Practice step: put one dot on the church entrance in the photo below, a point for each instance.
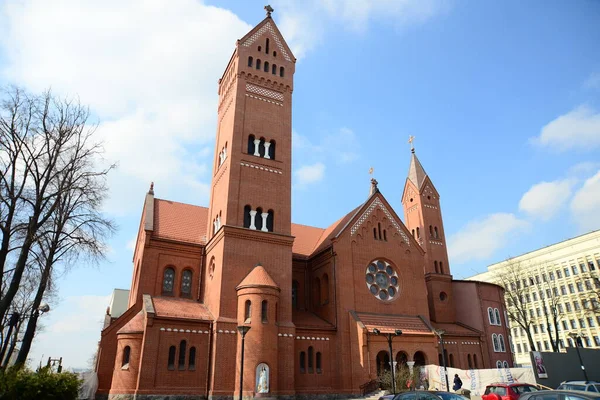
(383, 362)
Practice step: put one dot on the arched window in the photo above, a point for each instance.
(310, 360)
(495, 342)
(171, 362)
(281, 71)
(258, 63)
(168, 281)
(250, 61)
(491, 316)
(437, 236)
(126, 354)
(247, 311)
(182, 350)
(264, 311)
(274, 69)
(419, 359)
(251, 144)
(319, 367)
(418, 233)
(499, 364)
(384, 235)
(258, 220)
(469, 362)
(501, 343)
(247, 216)
(379, 229)
(451, 360)
(430, 230)
(475, 361)
(505, 364)
(375, 233)
(270, 221)
(325, 289)
(497, 314)
(302, 362)
(186, 283)
(317, 292)
(440, 360)
(266, 66)
(192, 360)
(435, 265)
(267, 47)
(441, 268)
(295, 285)
(272, 150)
(413, 233)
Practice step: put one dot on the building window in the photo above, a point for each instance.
(497, 313)
(192, 360)
(302, 362)
(310, 360)
(250, 61)
(258, 222)
(518, 347)
(267, 46)
(574, 268)
(441, 268)
(431, 231)
(168, 281)
(501, 343)
(270, 222)
(475, 361)
(571, 288)
(272, 150)
(499, 364)
(182, 350)
(435, 266)
(266, 69)
(247, 311)
(567, 273)
(505, 364)
(281, 71)
(558, 274)
(319, 367)
(573, 324)
(580, 287)
(258, 63)
(171, 362)
(274, 69)
(435, 229)
(597, 340)
(495, 342)
(186, 283)
(263, 311)
(125, 359)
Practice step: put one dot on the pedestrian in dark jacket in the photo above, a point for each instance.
(457, 383)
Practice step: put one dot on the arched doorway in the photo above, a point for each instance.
(401, 359)
(383, 362)
(419, 359)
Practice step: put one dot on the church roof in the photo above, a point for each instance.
(179, 221)
(456, 329)
(388, 323)
(180, 308)
(135, 324)
(258, 277)
(416, 172)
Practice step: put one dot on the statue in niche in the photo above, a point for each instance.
(262, 378)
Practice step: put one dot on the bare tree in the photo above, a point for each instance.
(550, 299)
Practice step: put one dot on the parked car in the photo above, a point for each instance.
(584, 386)
(423, 395)
(560, 395)
(507, 391)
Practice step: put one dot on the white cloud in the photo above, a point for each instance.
(543, 200)
(310, 174)
(147, 69)
(593, 82)
(342, 145)
(131, 244)
(585, 205)
(578, 129)
(480, 239)
(304, 23)
(72, 330)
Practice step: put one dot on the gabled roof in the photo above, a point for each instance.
(258, 277)
(387, 323)
(416, 172)
(456, 329)
(135, 324)
(264, 26)
(172, 307)
(179, 221)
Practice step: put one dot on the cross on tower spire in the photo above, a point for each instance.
(269, 10)
(411, 138)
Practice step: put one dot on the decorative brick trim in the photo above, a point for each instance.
(267, 28)
(264, 92)
(260, 167)
(289, 335)
(163, 329)
(265, 100)
(436, 242)
(367, 213)
(310, 338)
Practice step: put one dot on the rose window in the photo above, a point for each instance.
(382, 280)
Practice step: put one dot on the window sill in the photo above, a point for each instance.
(125, 367)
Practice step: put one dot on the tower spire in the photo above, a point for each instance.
(416, 172)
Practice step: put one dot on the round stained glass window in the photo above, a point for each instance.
(382, 280)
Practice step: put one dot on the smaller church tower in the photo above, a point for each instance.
(423, 217)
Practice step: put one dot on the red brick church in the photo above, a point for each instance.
(312, 297)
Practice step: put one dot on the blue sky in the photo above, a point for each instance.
(502, 97)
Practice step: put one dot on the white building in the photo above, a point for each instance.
(568, 272)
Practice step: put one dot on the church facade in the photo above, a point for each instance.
(313, 298)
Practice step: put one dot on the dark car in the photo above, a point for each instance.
(560, 395)
(585, 386)
(507, 391)
(423, 395)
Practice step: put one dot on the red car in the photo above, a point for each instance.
(507, 391)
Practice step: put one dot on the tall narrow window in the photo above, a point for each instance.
(418, 233)
(266, 66)
(258, 63)
(379, 229)
(501, 343)
(310, 360)
(495, 342)
(274, 69)
(475, 361)
(437, 236)
(247, 311)
(250, 61)
(413, 233)
(295, 285)
(302, 362)
(430, 230)
(441, 268)
(469, 362)
(171, 362)
(247, 217)
(491, 317)
(261, 147)
(267, 46)
(435, 265)
(186, 283)
(126, 354)
(272, 150)
(497, 314)
(192, 360)
(375, 233)
(384, 235)
(281, 71)
(264, 311)
(258, 220)
(182, 350)
(168, 281)
(251, 144)
(270, 221)
(319, 366)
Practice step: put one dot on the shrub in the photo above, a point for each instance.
(24, 384)
(403, 378)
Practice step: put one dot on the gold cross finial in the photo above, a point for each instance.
(269, 10)
(371, 170)
(411, 139)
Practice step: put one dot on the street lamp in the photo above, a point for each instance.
(578, 343)
(243, 329)
(440, 333)
(389, 337)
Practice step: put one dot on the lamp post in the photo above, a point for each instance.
(440, 333)
(243, 329)
(389, 337)
(578, 343)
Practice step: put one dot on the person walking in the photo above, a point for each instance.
(457, 383)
